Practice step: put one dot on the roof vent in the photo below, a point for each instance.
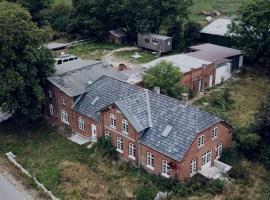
(89, 82)
(166, 131)
(95, 100)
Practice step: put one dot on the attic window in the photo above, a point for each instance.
(95, 100)
(166, 131)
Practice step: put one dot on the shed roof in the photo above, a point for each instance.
(56, 45)
(157, 36)
(213, 53)
(218, 27)
(184, 62)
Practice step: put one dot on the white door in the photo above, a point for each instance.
(94, 133)
(200, 85)
(219, 150)
(241, 61)
(211, 81)
(206, 160)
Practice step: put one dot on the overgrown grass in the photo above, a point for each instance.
(230, 7)
(68, 2)
(145, 56)
(93, 50)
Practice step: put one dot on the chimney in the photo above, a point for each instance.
(157, 90)
(185, 97)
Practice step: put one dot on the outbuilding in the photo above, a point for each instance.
(155, 42)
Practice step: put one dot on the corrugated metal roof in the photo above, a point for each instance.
(218, 27)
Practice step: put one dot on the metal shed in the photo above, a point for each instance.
(155, 42)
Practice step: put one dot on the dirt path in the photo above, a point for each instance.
(11, 185)
(110, 58)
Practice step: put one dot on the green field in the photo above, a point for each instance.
(146, 56)
(230, 7)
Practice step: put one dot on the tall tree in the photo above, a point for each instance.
(167, 77)
(39, 9)
(24, 63)
(251, 31)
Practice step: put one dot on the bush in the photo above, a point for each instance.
(145, 193)
(238, 172)
(264, 155)
(106, 148)
(230, 156)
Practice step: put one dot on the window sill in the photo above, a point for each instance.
(65, 122)
(124, 132)
(150, 167)
(119, 150)
(113, 127)
(132, 157)
(165, 175)
(214, 138)
(199, 147)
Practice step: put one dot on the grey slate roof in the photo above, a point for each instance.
(108, 90)
(82, 73)
(150, 113)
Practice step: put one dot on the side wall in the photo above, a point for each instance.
(224, 136)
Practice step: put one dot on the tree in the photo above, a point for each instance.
(166, 76)
(60, 19)
(24, 63)
(39, 9)
(251, 32)
(263, 120)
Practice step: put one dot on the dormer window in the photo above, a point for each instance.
(201, 141)
(112, 121)
(125, 126)
(214, 133)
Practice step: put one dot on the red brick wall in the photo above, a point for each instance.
(88, 125)
(224, 136)
(158, 161)
(57, 102)
(132, 136)
(200, 73)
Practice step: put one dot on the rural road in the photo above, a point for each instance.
(10, 192)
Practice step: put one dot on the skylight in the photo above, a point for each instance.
(166, 131)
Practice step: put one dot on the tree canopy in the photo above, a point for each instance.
(167, 77)
(24, 63)
(251, 31)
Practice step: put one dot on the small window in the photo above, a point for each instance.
(169, 43)
(132, 151)
(81, 124)
(120, 145)
(59, 62)
(113, 121)
(165, 168)
(146, 40)
(155, 43)
(70, 59)
(66, 60)
(125, 126)
(214, 133)
(108, 136)
(51, 109)
(64, 101)
(201, 141)
(150, 161)
(64, 117)
(193, 168)
(50, 94)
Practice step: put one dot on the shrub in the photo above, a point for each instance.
(106, 148)
(230, 156)
(145, 193)
(238, 172)
(215, 187)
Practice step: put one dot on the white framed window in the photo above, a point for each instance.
(193, 168)
(132, 151)
(50, 94)
(112, 121)
(201, 141)
(219, 150)
(214, 133)
(165, 169)
(81, 123)
(108, 136)
(63, 101)
(150, 161)
(120, 145)
(64, 117)
(206, 158)
(125, 126)
(51, 109)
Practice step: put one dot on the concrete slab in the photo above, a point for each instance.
(79, 139)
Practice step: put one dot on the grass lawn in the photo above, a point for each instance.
(93, 50)
(126, 55)
(68, 2)
(230, 7)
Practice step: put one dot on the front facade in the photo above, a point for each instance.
(160, 134)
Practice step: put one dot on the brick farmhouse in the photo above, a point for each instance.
(161, 134)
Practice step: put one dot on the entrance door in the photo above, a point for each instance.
(211, 81)
(94, 133)
(219, 150)
(206, 160)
